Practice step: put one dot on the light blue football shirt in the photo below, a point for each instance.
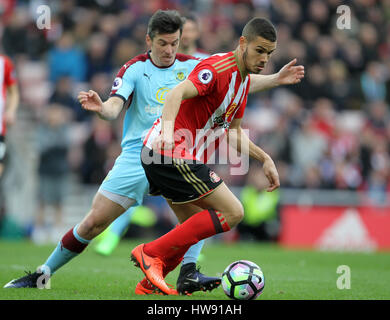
(143, 86)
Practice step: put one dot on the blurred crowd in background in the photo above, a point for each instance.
(331, 131)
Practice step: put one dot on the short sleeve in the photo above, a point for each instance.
(204, 78)
(124, 82)
(9, 73)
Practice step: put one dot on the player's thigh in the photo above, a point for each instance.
(184, 210)
(222, 199)
(126, 178)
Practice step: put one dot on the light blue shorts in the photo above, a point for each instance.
(127, 177)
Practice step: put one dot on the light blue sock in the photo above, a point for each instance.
(121, 223)
(193, 253)
(61, 255)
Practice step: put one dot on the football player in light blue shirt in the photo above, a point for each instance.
(140, 86)
(188, 45)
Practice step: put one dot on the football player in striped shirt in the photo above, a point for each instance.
(197, 114)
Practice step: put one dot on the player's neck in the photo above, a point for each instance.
(240, 64)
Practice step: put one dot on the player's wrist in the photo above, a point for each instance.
(278, 79)
(266, 159)
(167, 128)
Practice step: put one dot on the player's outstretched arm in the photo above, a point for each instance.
(173, 99)
(238, 139)
(109, 110)
(289, 74)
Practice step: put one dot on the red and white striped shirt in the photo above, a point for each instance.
(7, 78)
(203, 121)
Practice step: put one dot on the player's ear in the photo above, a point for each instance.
(243, 42)
(148, 40)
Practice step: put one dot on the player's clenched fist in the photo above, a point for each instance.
(90, 101)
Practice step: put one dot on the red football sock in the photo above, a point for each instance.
(176, 242)
(70, 242)
(171, 265)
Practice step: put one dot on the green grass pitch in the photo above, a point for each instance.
(289, 274)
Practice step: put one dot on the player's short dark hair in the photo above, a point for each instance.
(165, 21)
(259, 27)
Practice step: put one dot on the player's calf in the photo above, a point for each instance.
(228, 208)
(102, 214)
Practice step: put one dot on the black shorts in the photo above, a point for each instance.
(2, 149)
(178, 180)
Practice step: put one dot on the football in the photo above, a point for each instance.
(243, 280)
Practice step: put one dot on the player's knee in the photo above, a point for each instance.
(239, 214)
(86, 227)
(91, 227)
(236, 215)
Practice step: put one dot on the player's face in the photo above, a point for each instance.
(164, 48)
(190, 34)
(257, 53)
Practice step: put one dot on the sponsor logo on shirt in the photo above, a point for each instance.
(161, 93)
(222, 120)
(153, 110)
(230, 110)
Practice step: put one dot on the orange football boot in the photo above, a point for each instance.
(152, 267)
(145, 287)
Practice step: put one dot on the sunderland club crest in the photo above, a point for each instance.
(214, 177)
